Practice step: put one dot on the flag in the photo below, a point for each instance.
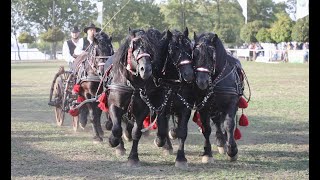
(243, 4)
(302, 8)
(100, 12)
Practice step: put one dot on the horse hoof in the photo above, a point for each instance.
(158, 143)
(113, 142)
(97, 140)
(234, 158)
(120, 152)
(125, 137)
(82, 126)
(181, 164)
(221, 150)
(146, 134)
(167, 152)
(206, 159)
(133, 163)
(172, 134)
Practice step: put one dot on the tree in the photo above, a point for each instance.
(281, 29)
(264, 36)
(226, 33)
(300, 30)
(25, 37)
(249, 31)
(53, 35)
(136, 14)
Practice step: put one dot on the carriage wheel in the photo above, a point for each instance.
(75, 123)
(58, 96)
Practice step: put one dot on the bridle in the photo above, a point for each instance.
(134, 55)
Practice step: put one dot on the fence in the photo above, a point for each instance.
(32, 54)
(271, 55)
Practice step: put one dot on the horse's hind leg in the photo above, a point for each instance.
(83, 116)
(167, 148)
(93, 117)
(219, 136)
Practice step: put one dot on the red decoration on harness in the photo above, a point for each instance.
(80, 99)
(74, 112)
(243, 103)
(243, 120)
(76, 88)
(103, 102)
(237, 134)
(197, 120)
(146, 123)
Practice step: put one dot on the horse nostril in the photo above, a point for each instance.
(142, 69)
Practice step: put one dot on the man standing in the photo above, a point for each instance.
(85, 42)
(70, 45)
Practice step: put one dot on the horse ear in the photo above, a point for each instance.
(110, 38)
(186, 32)
(129, 29)
(169, 34)
(194, 36)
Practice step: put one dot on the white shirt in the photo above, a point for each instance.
(66, 52)
(78, 50)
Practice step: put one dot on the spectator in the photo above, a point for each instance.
(306, 51)
(70, 45)
(252, 52)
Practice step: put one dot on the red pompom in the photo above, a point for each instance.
(243, 103)
(76, 88)
(146, 123)
(80, 99)
(243, 120)
(237, 134)
(74, 112)
(197, 120)
(103, 102)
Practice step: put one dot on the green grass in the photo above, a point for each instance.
(275, 145)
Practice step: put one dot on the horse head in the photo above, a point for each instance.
(140, 54)
(104, 49)
(204, 56)
(180, 51)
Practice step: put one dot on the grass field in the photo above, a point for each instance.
(275, 145)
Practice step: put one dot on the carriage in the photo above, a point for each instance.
(61, 96)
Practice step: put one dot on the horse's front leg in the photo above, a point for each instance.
(139, 114)
(115, 113)
(205, 120)
(219, 135)
(182, 132)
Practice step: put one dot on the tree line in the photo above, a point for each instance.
(53, 19)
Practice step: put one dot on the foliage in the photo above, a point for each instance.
(300, 30)
(264, 36)
(136, 14)
(249, 31)
(226, 33)
(25, 37)
(52, 35)
(281, 29)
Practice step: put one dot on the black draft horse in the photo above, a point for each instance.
(219, 87)
(131, 74)
(89, 68)
(177, 75)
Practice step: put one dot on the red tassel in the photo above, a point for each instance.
(74, 112)
(197, 120)
(237, 134)
(146, 123)
(80, 99)
(242, 103)
(76, 88)
(243, 120)
(103, 102)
